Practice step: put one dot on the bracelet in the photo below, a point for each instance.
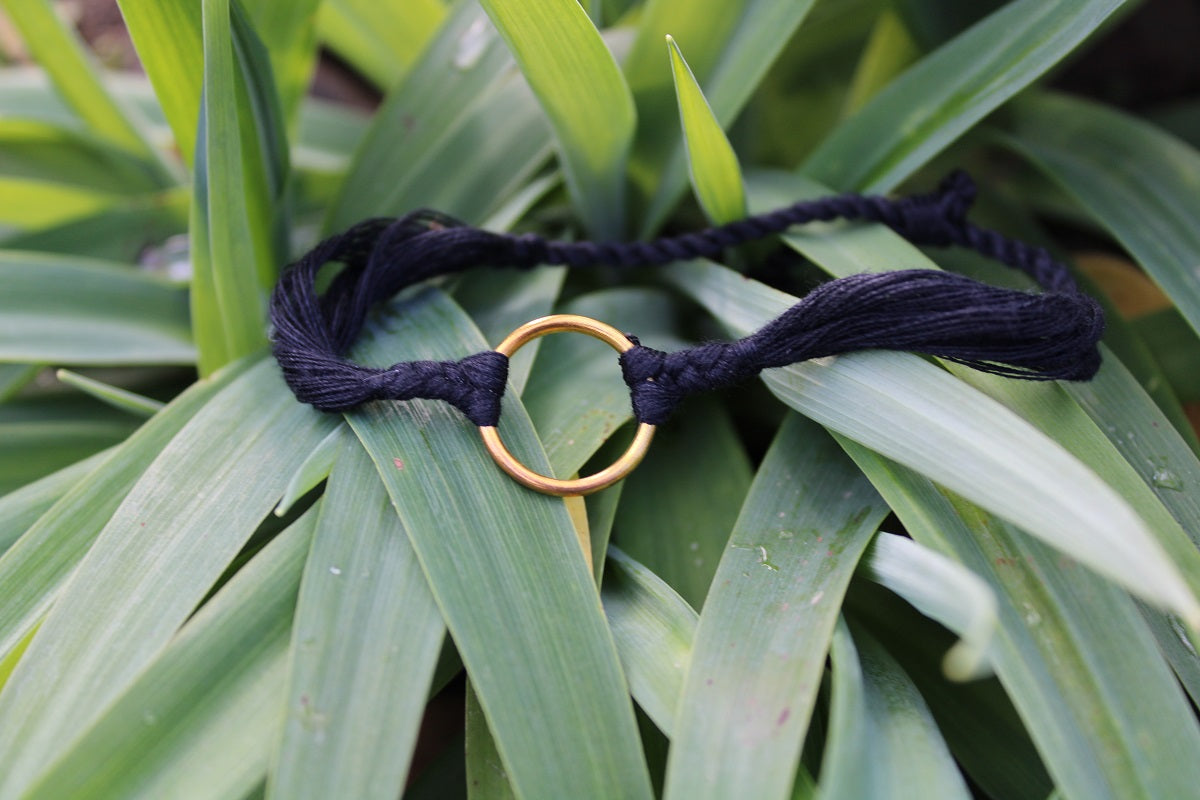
(1051, 335)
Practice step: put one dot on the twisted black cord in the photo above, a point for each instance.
(1036, 336)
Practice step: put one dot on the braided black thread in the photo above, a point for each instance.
(1017, 334)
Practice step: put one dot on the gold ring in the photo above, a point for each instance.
(559, 323)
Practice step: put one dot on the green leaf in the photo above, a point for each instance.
(37, 566)
(380, 39)
(155, 560)
(365, 641)
(1162, 332)
(888, 51)
(44, 151)
(765, 630)
(1072, 650)
(731, 44)
(712, 164)
(511, 581)
(10, 660)
(169, 42)
(36, 446)
(951, 89)
(911, 411)
(59, 51)
(942, 590)
(1045, 405)
(459, 134)
(663, 522)
(125, 230)
(985, 734)
(1128, 465)
(289, 34)
(328, 129)
(21, 508)
(654, 628)
(84, 311)
(486, 778)
(882, 739)
(600, 509)
(1094, 421)
(121, 399)
(1134, 179)
(15, 377)
(314, 469)
(231, 232)
(583, 94)
(28, 203)
(198, 722)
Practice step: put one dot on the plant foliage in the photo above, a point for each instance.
(874, 575)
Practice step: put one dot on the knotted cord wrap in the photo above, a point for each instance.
(1052, 335)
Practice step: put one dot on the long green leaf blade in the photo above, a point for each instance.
(1072, 650)
(1136, 180)
(731, 44)
(152, 564)
(20, 509)
(447, 137)
(199, 720)
(951, 89)
(663, 523)
(55, 153)
(289, 34)
(365, 641)
(381, 39)
(584, 95)
(765, 630)
(27, 204)
(505, 568)
(35, 568)
(486, 778)
(882, 738)
(169, 42)
(121, 399)
(654, 629)
(712, 164)
(35, 442)
(913, 412)
(227, 309)
(58, 51)
(942, 590)
(80, 311)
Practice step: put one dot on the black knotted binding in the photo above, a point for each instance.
(1051, 335)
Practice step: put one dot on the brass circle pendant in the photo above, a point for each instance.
(566, 323)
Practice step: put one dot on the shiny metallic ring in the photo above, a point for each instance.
(560, 323)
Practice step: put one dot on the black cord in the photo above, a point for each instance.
(1052, 335)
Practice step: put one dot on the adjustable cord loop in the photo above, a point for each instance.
(1048, 336)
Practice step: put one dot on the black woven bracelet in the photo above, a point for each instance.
(1052, 335)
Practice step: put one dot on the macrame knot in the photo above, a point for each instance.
(659, 381)
(937, 218)
(474, 385)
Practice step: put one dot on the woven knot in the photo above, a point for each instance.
(659, 381)
(474, 385)
(938, 218)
